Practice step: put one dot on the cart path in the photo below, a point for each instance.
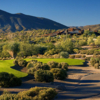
(83, 83)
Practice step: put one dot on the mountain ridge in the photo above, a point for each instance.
(19, 21)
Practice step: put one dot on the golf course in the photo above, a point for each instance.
(6, 65)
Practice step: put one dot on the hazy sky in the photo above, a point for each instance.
(67, 12)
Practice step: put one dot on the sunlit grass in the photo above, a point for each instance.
(5, 66)
(69, 61)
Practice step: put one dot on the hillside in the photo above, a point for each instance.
(19, 21)
(91, 27)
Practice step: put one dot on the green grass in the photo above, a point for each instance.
(69, 61)
(5, 66)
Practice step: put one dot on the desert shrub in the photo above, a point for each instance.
(34, 56)
(40, 56)
(47, 94)
(9, 80)
(21, 54)
(5, 54)
(83, 51)
(83, 56)
(67, 45)
(93, 61)
(16, 61)
(92, 44)
(14, 97)
(31, 71)
(45, 67)
(82, 42)
(87, 58)
(56, 56)
(22, 63)
(52, 52)
(31, 64)
(63, 65)
(52, 64)
(40, 66)
(76, 51)
(90, 40)
(8, 97)
(6, 92)
(37, 66)
(64, 54)
(77, 56)
(97, 41)
(43, 76)
(96, 65)
(96, 52)
(90, 52)
(71, 56)
(36, 93)
(39, 93)
(59, 73)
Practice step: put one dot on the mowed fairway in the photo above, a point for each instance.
(69, 61)
(5, 66)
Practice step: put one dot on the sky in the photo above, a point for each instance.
(66, 12)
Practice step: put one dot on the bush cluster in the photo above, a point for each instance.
(95, 61)
(59, 73)
(62, 65)
(72, 56)
(9, 80)
(64, 54)
(36, 93)
(77, 56)
(83, 51)
(42, 71)
(43, 76)
(90, 52)
(31, 64)
(76, 51)
(20, 62)
(5, 54)
(87, 58)
(37, 67)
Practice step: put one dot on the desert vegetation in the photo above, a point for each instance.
(45, 59)
(36, 93)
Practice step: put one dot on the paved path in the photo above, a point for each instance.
(83, 83)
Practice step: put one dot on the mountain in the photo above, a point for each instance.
(91, 27)
(19, 21)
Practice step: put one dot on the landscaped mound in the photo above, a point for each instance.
(9, 80)
(36, 93)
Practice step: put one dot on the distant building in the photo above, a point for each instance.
(70, 31)
(73, 31)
